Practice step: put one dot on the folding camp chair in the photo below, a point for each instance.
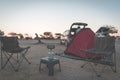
(105, 48)
(10, 46)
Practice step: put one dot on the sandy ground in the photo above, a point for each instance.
(71, 69)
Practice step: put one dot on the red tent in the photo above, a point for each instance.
(83, 40)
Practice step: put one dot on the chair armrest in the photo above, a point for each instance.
(94, 51)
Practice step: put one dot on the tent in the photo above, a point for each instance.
(83, 40)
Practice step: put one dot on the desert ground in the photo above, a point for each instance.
(70, 68)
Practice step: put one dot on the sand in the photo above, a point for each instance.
(71, 69)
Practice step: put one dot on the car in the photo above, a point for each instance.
(64, 37)
(68, 35)
(105, 31)
(76, 27)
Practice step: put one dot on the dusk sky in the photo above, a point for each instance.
(38, 16)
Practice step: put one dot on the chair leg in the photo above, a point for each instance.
(40, 66)
(10, 56)
(8, 60)
(1, 59)
(113, 68)
(84, 64)
(23, 55)
(26, 59)
(98, 75)
(59, 67)
(21, 60)
(14, 58)
(19, 64)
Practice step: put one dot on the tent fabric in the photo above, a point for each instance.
(83, 40)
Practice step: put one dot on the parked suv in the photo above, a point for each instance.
(68, 35)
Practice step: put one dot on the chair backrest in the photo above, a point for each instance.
(9, 43)
(106, 44)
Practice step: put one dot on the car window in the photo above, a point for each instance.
(65, 33)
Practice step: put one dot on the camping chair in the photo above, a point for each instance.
(10, 46)
(105, 48)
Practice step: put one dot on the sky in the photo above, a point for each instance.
(38, 16)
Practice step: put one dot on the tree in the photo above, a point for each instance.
(48, 35)
(27, 36)
(57, 35)
(13, 34)
(20, 36)
(106, 30)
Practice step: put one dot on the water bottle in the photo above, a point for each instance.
(50, 55)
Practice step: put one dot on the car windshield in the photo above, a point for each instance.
(65, 33)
